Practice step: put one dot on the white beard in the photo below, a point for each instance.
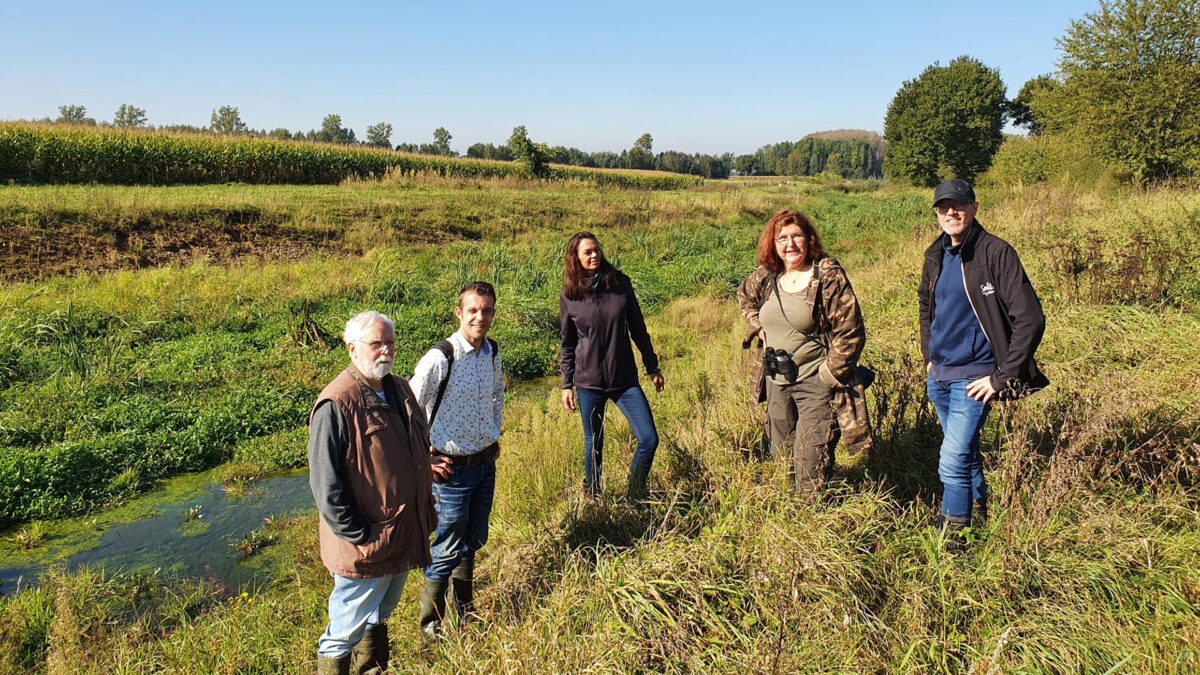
(374, 370)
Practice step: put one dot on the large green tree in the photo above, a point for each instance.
(380, 135)
(1130, 73)
(129, 115)
(641, 155)
(1021, 109)
(332, 131)
(945, 124)
(74, 114)
(535, 156)
(227, 120)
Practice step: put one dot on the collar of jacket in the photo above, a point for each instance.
(967, 250)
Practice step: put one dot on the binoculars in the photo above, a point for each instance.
(779, 362)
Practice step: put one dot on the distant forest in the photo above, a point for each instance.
(849, 153)
(846, 153)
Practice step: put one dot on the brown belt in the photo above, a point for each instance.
(474, 459)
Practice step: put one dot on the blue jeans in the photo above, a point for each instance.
(464, 503)
(960, 466)
(633, 404)
(354, 606)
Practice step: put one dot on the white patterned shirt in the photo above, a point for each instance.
(469, 418)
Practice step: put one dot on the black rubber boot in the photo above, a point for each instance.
(637, 482)
(953, 526)
(328, 666)
(371, 654)
(433, 607)
(462, 580)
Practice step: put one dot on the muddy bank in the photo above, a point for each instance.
(33, 252)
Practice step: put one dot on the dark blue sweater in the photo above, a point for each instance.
(958, 349)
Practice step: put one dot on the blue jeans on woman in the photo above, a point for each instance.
(960, 466)
(633, 404)
(464, 504)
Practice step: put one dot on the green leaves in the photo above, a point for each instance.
(945, 124)
(1130, 73)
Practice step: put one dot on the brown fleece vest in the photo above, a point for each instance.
(386, 470)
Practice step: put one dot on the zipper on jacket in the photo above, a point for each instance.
(974, 311)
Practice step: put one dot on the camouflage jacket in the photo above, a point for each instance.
(840, 325)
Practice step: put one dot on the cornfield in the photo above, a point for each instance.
(40, 154)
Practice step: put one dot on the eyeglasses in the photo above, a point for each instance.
(794, 238)
(376, 344)
(947, 207)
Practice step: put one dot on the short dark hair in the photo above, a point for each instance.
(481, 288)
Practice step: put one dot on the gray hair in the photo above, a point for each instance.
(359, 323)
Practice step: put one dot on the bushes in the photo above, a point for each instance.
(48, 154)
(1056, 160)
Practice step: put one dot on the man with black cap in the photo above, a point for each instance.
(981, 322)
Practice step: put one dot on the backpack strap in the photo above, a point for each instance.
(447, 350)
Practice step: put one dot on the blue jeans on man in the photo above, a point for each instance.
(960, 465)
(464, 503)
(633, 404)
(356, 605)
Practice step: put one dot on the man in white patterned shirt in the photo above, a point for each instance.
(460, 387)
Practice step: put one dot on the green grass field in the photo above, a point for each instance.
(137, 368)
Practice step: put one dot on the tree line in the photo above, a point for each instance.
(1125, 92)
(849, 158)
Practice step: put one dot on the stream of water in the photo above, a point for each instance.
(195, 536)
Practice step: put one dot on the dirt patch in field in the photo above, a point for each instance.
(33, 253)
(38, 251)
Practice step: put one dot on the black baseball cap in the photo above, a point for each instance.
(957, 189)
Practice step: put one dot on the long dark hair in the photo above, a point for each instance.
(574, 279)
(767, 257)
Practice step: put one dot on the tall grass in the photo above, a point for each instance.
(1087, 564)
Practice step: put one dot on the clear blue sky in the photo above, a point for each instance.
(698, 76)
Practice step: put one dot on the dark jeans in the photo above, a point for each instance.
(633, 404)
(464, 503)
(802, 410)
(960, 466)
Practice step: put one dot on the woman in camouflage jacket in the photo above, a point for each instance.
(825, 340)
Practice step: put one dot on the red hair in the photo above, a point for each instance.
(767, 257)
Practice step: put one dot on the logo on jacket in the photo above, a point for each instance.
(987, 289)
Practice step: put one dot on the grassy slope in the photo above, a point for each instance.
(1088, 564)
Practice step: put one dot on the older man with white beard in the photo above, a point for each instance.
(371, 477)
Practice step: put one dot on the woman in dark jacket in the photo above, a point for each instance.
(800, 303)
(600, 315)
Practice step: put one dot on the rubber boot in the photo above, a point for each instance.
(371, 654)
(328, 666)
(433, 607)
(637, 482)
(462, 580)
(953, 526)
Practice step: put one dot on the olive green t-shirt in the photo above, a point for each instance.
(785, 330)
